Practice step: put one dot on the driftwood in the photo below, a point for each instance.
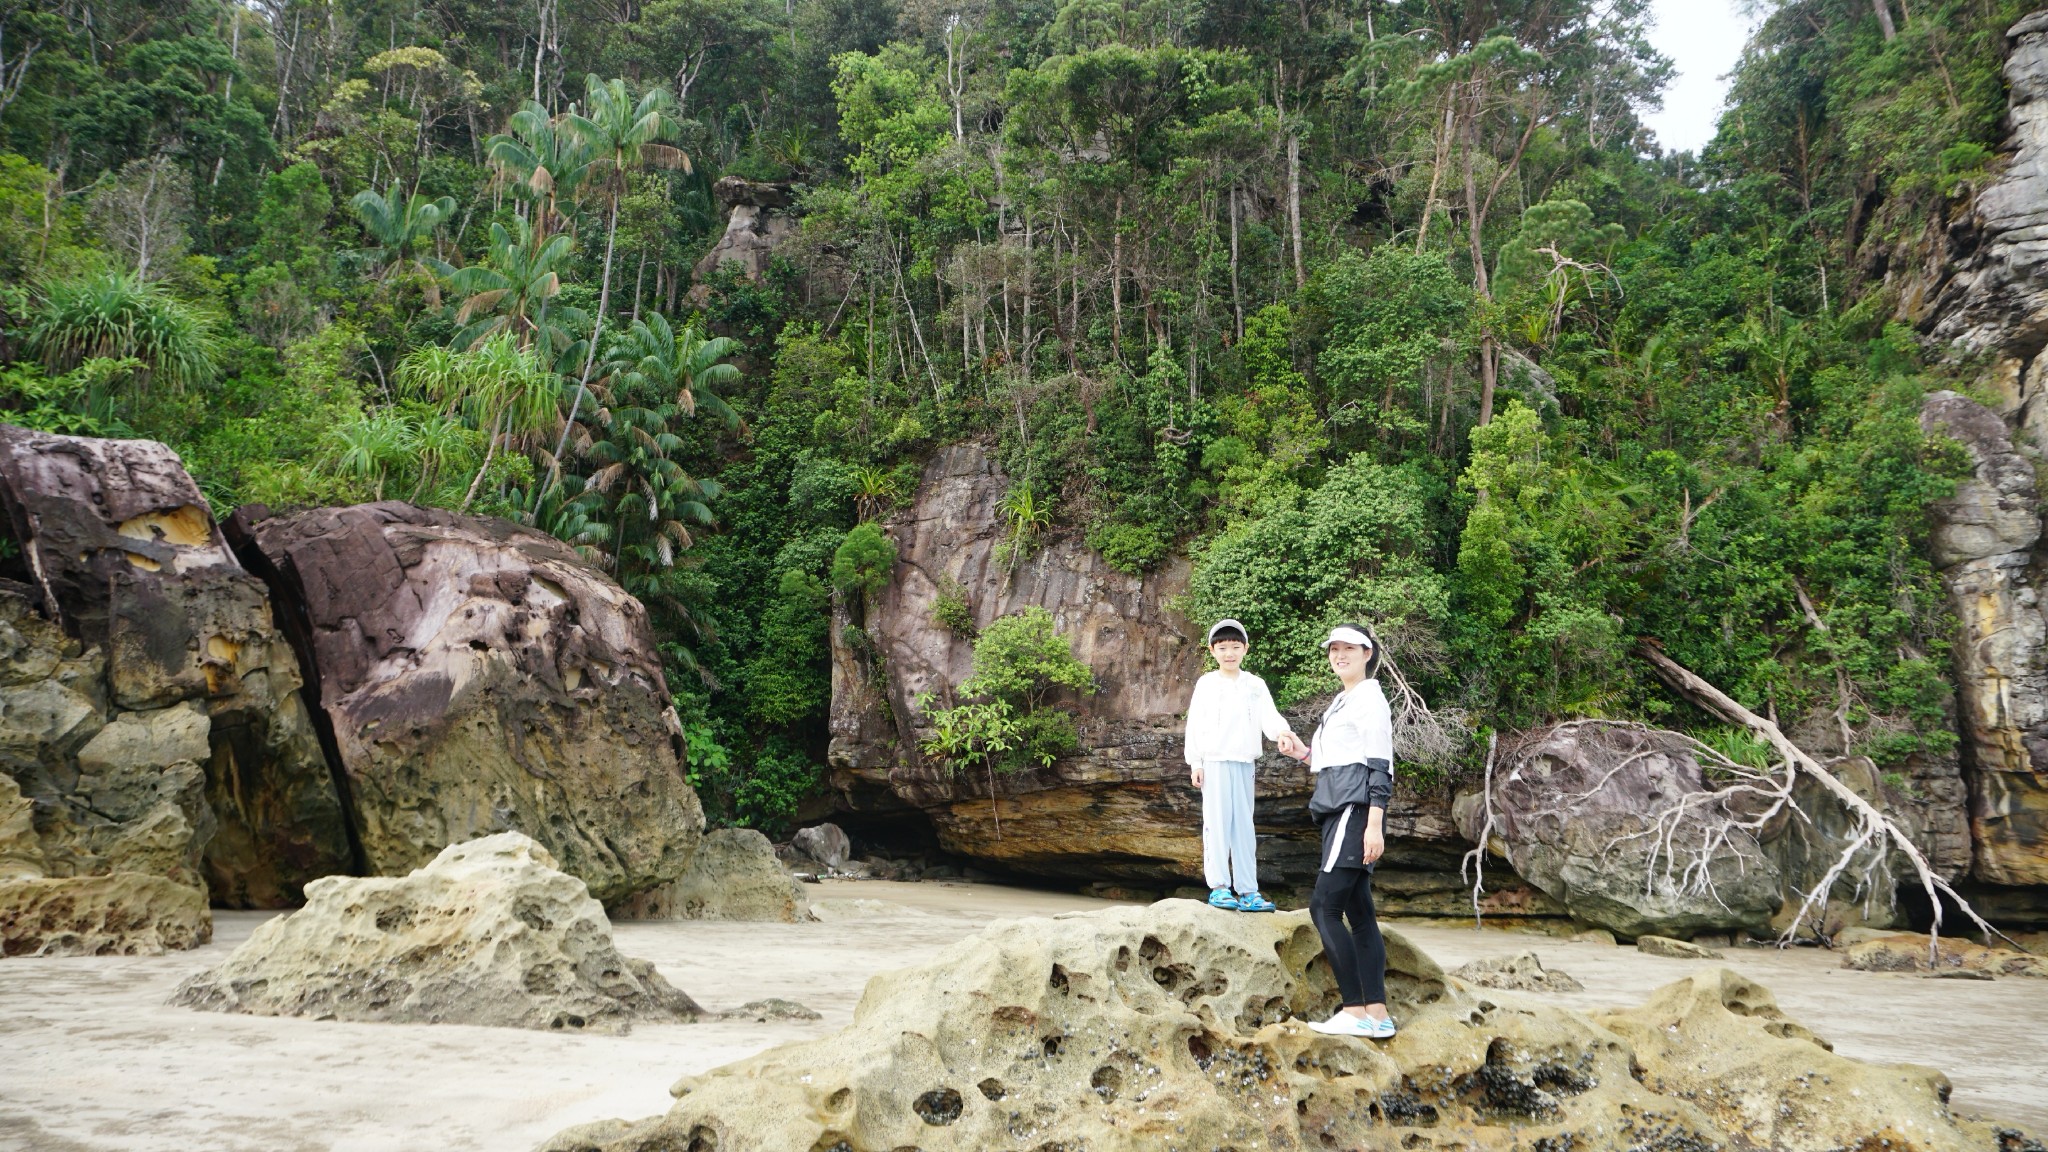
(1873, 827)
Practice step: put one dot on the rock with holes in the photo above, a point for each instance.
(118, 914)
(1616, 822)
(149, 706)
(1522, 972)
(734, 875)
(1180, 1026)
(1907, 952)
(490, 932)
(480, 677)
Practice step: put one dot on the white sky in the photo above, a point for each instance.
(1704, 39)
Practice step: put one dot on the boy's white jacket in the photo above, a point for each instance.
(1357, 726)
(1227, 717)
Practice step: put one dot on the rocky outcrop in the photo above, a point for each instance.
(479, 677)
(757, 221)
(1121, 808)
(119, 914)
(1609, 819)
(1522, 972)
(1178, 1026)
(490, 932)
(1986, 545)
(734, 875)
(1985, 289)
(149, 708)
(1910, 953)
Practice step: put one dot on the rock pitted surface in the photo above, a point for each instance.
(480, 677)
(149, 708)
(1576, 809)
(1522, 972)
(1906, 952)
(734, 875)
(1174, 1026)
(490, 932)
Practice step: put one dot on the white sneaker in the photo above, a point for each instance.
(1363, 1027)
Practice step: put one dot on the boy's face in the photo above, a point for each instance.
(1229, 654)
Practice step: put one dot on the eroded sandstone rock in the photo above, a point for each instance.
(121, 914)
(734, 875)
(148, 705)
(1906, 952)
(1984, 544)
(490, 932)
(1178, 1026)
(481, 677)
(1121, 808)
(1576, 811)
(1522, 972)
(757, 222)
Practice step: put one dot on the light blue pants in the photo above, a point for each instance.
(1230, 845)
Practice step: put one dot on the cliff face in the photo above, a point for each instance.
(1122, 807)
(1984, 295)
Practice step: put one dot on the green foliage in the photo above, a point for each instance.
(1007, 723)
(952, 611)
(1357, 548)
(116, 316)
(864, 561)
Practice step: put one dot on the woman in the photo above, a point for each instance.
(1352, 758)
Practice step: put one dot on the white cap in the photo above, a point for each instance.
(1226, 622)
(1343, 635)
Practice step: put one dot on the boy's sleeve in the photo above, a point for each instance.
(1191, 738)
(1270, 720)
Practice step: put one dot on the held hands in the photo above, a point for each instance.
(1291, 745)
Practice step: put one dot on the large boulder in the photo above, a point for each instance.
(490, 932)
(1608, 818)
(149, 707)
(734, 875)
(479, 677)
(1179, 1026)
(757, 222)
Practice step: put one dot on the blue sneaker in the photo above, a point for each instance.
(1252, 902)
(1223, 898)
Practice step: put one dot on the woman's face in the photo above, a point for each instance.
(1347, 660)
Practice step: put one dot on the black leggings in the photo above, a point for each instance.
(1358, 957)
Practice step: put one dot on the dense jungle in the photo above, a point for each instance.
(1368, 309)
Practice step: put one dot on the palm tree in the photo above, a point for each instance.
(397, 225)
(647, 493)
(117, 315)
(546, 165)
(509, 292)
(653, 362)
(621, 134)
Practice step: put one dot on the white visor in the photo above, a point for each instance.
(1347, 636)
(1226, 622)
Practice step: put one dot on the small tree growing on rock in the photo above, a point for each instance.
(1006, 722)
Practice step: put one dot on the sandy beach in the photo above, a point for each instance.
(96, 1062)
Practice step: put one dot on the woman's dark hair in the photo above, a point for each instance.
(1372, 662)
(1223, 634)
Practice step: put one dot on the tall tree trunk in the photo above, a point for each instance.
(1236, 294)
(1436, 172)
(604, 297)
(1475, 223)
(1884, 19)
(1116, 282)
(490, 450)
(1294, 206)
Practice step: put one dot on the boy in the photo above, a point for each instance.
(1230, 711)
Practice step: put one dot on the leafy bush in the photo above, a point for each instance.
(952, 611)
(1006, 724)
(863, 562)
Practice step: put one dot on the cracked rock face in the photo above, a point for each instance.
(1986, 545)
(490, 932)
(479, 677)
(149, 709)
(1172, 1026)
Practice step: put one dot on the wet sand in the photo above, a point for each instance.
(91, 1059)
